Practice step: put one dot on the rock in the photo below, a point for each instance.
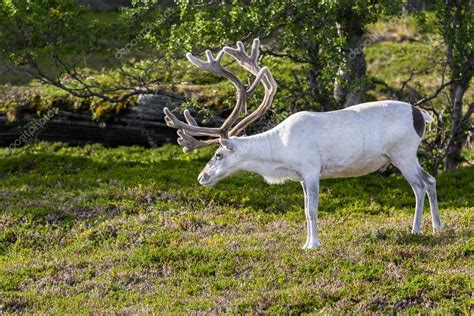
(138, 125)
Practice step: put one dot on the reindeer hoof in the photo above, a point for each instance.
(313, 244)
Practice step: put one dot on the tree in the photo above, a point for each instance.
(326, 36)
(301, 31)
(352, 18)
(48, 41)
(455, 23)
(320, 35)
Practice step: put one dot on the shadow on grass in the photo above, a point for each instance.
(444, 237)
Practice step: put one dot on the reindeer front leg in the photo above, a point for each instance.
(311, 195)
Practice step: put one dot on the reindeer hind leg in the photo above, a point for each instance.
(409, 169)
(430, 183)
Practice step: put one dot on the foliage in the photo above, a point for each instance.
(51, 40)
(129, 230)
(306, 31)
(32, 30)
(456, 25)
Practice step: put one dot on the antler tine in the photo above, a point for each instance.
(191, 121)
(172, 121)
(255, 52)
(214, 65)
(189, 118)
(249, 62)
(189, 143)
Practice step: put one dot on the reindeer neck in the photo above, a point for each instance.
(259, 151)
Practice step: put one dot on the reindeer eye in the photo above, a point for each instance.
(219, 156)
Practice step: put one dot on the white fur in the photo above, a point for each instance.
(307, 147)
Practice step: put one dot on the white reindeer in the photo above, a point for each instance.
(307, 147)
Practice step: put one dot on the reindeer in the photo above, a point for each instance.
(307, 146)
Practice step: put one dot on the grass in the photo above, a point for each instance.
(129, 230)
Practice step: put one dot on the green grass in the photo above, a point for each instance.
(95, 230)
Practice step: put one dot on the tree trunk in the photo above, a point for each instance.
(317, 88)
(316, 80)
(349, 87)
(458, 134)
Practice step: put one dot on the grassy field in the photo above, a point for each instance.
(129, 230)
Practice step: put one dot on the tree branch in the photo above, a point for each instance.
(86, 90)
(435, 94)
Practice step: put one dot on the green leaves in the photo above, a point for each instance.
(32, 29)
(10, 7)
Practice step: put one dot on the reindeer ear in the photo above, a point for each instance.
(226, 144)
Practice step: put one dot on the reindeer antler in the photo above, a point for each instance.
(189, 129)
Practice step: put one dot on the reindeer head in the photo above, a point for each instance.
(225, 162)
(226, 159)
